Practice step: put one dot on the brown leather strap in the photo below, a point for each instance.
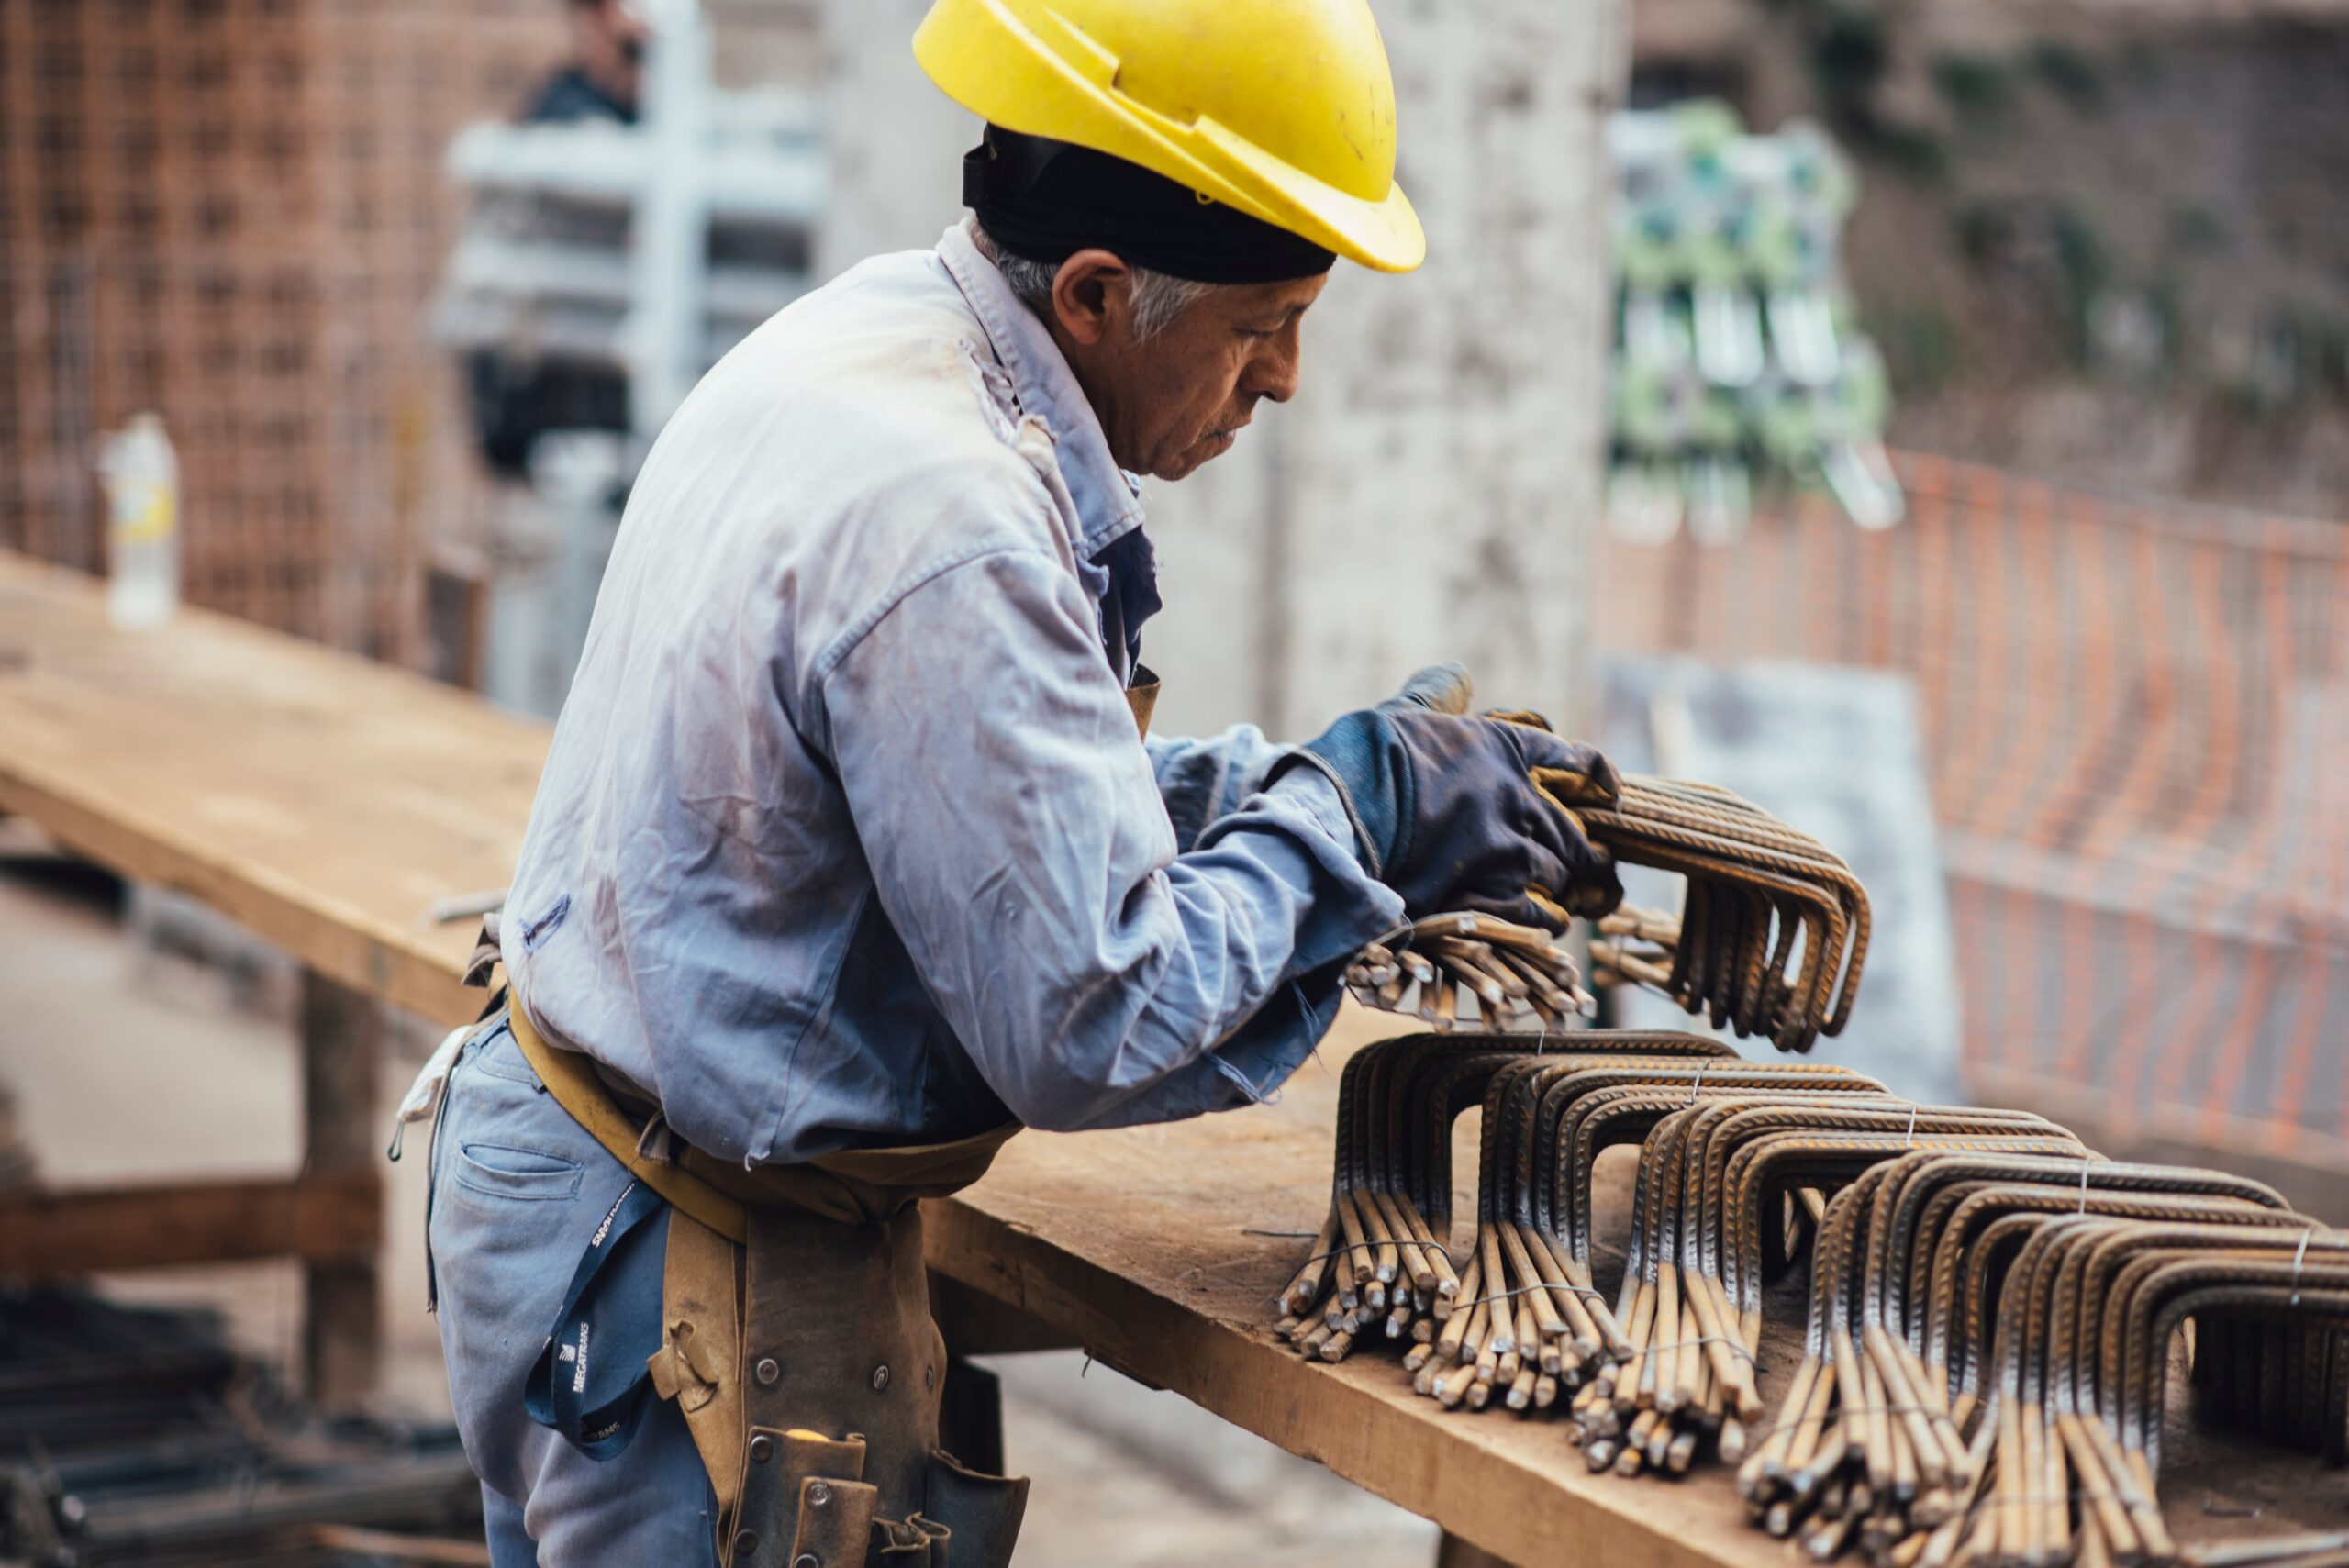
(571, 1079)
(1141, 696)
(854, 1186)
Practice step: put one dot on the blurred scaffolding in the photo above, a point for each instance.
(2136, 723)
(235, 213)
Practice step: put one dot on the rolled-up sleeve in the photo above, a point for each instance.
(1018, 843)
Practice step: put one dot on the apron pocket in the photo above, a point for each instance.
(835, 1525)
(982, 1511)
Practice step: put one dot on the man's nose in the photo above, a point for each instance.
(1274, 372)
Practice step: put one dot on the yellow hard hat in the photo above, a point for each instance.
(1282, 109)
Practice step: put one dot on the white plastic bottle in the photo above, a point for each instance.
(141, 474)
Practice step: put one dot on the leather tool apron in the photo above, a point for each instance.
(797, 1341)
(797, 1337)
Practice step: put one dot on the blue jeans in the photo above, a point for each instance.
(517, 1187)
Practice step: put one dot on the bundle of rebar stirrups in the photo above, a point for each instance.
(1991, 1306)
(1770, 941)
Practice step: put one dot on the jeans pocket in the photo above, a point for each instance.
(518, 1173)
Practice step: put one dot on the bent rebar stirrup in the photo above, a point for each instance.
(1773, 931)
(1991, 1307)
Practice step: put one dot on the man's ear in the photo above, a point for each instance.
(1087, 291)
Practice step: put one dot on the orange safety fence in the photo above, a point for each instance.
(2136, 728)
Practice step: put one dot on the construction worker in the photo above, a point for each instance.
(605, 78)
(850, 857)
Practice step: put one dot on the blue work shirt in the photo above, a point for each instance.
(846, 837)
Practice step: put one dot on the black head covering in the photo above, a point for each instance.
(1046, 200)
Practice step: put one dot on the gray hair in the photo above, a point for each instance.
(1157, 298)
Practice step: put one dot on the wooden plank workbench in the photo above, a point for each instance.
(328, 802)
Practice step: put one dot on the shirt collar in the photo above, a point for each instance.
(1108, 502)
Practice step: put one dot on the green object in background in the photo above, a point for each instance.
(1736, 362)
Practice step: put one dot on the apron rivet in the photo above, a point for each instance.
(768, 1371)
(806, 1559)
(761, 1450)
(818, 1494)
(745, 1542)
(880, 1378)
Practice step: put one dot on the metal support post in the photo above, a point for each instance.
(667, 329)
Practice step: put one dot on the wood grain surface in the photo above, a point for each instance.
(324, 801)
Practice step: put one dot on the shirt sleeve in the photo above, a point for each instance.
(1016, 835)
(1206, 779)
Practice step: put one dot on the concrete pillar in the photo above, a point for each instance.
(1437, 480)
(897, 142)
(1433, 490)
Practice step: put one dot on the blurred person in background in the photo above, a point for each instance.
(852, 854)
(515, 400)
(605, 76)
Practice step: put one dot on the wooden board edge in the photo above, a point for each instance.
(332, 1216)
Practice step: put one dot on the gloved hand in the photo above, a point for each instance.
(1470, 813)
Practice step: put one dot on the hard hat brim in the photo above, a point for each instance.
(1384, 236)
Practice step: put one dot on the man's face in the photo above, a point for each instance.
(1199, 380)
(1170, 403)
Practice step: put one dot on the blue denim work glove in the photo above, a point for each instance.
(1456, 812)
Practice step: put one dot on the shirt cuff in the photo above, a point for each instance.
(1351, 906)
(1326, 793)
